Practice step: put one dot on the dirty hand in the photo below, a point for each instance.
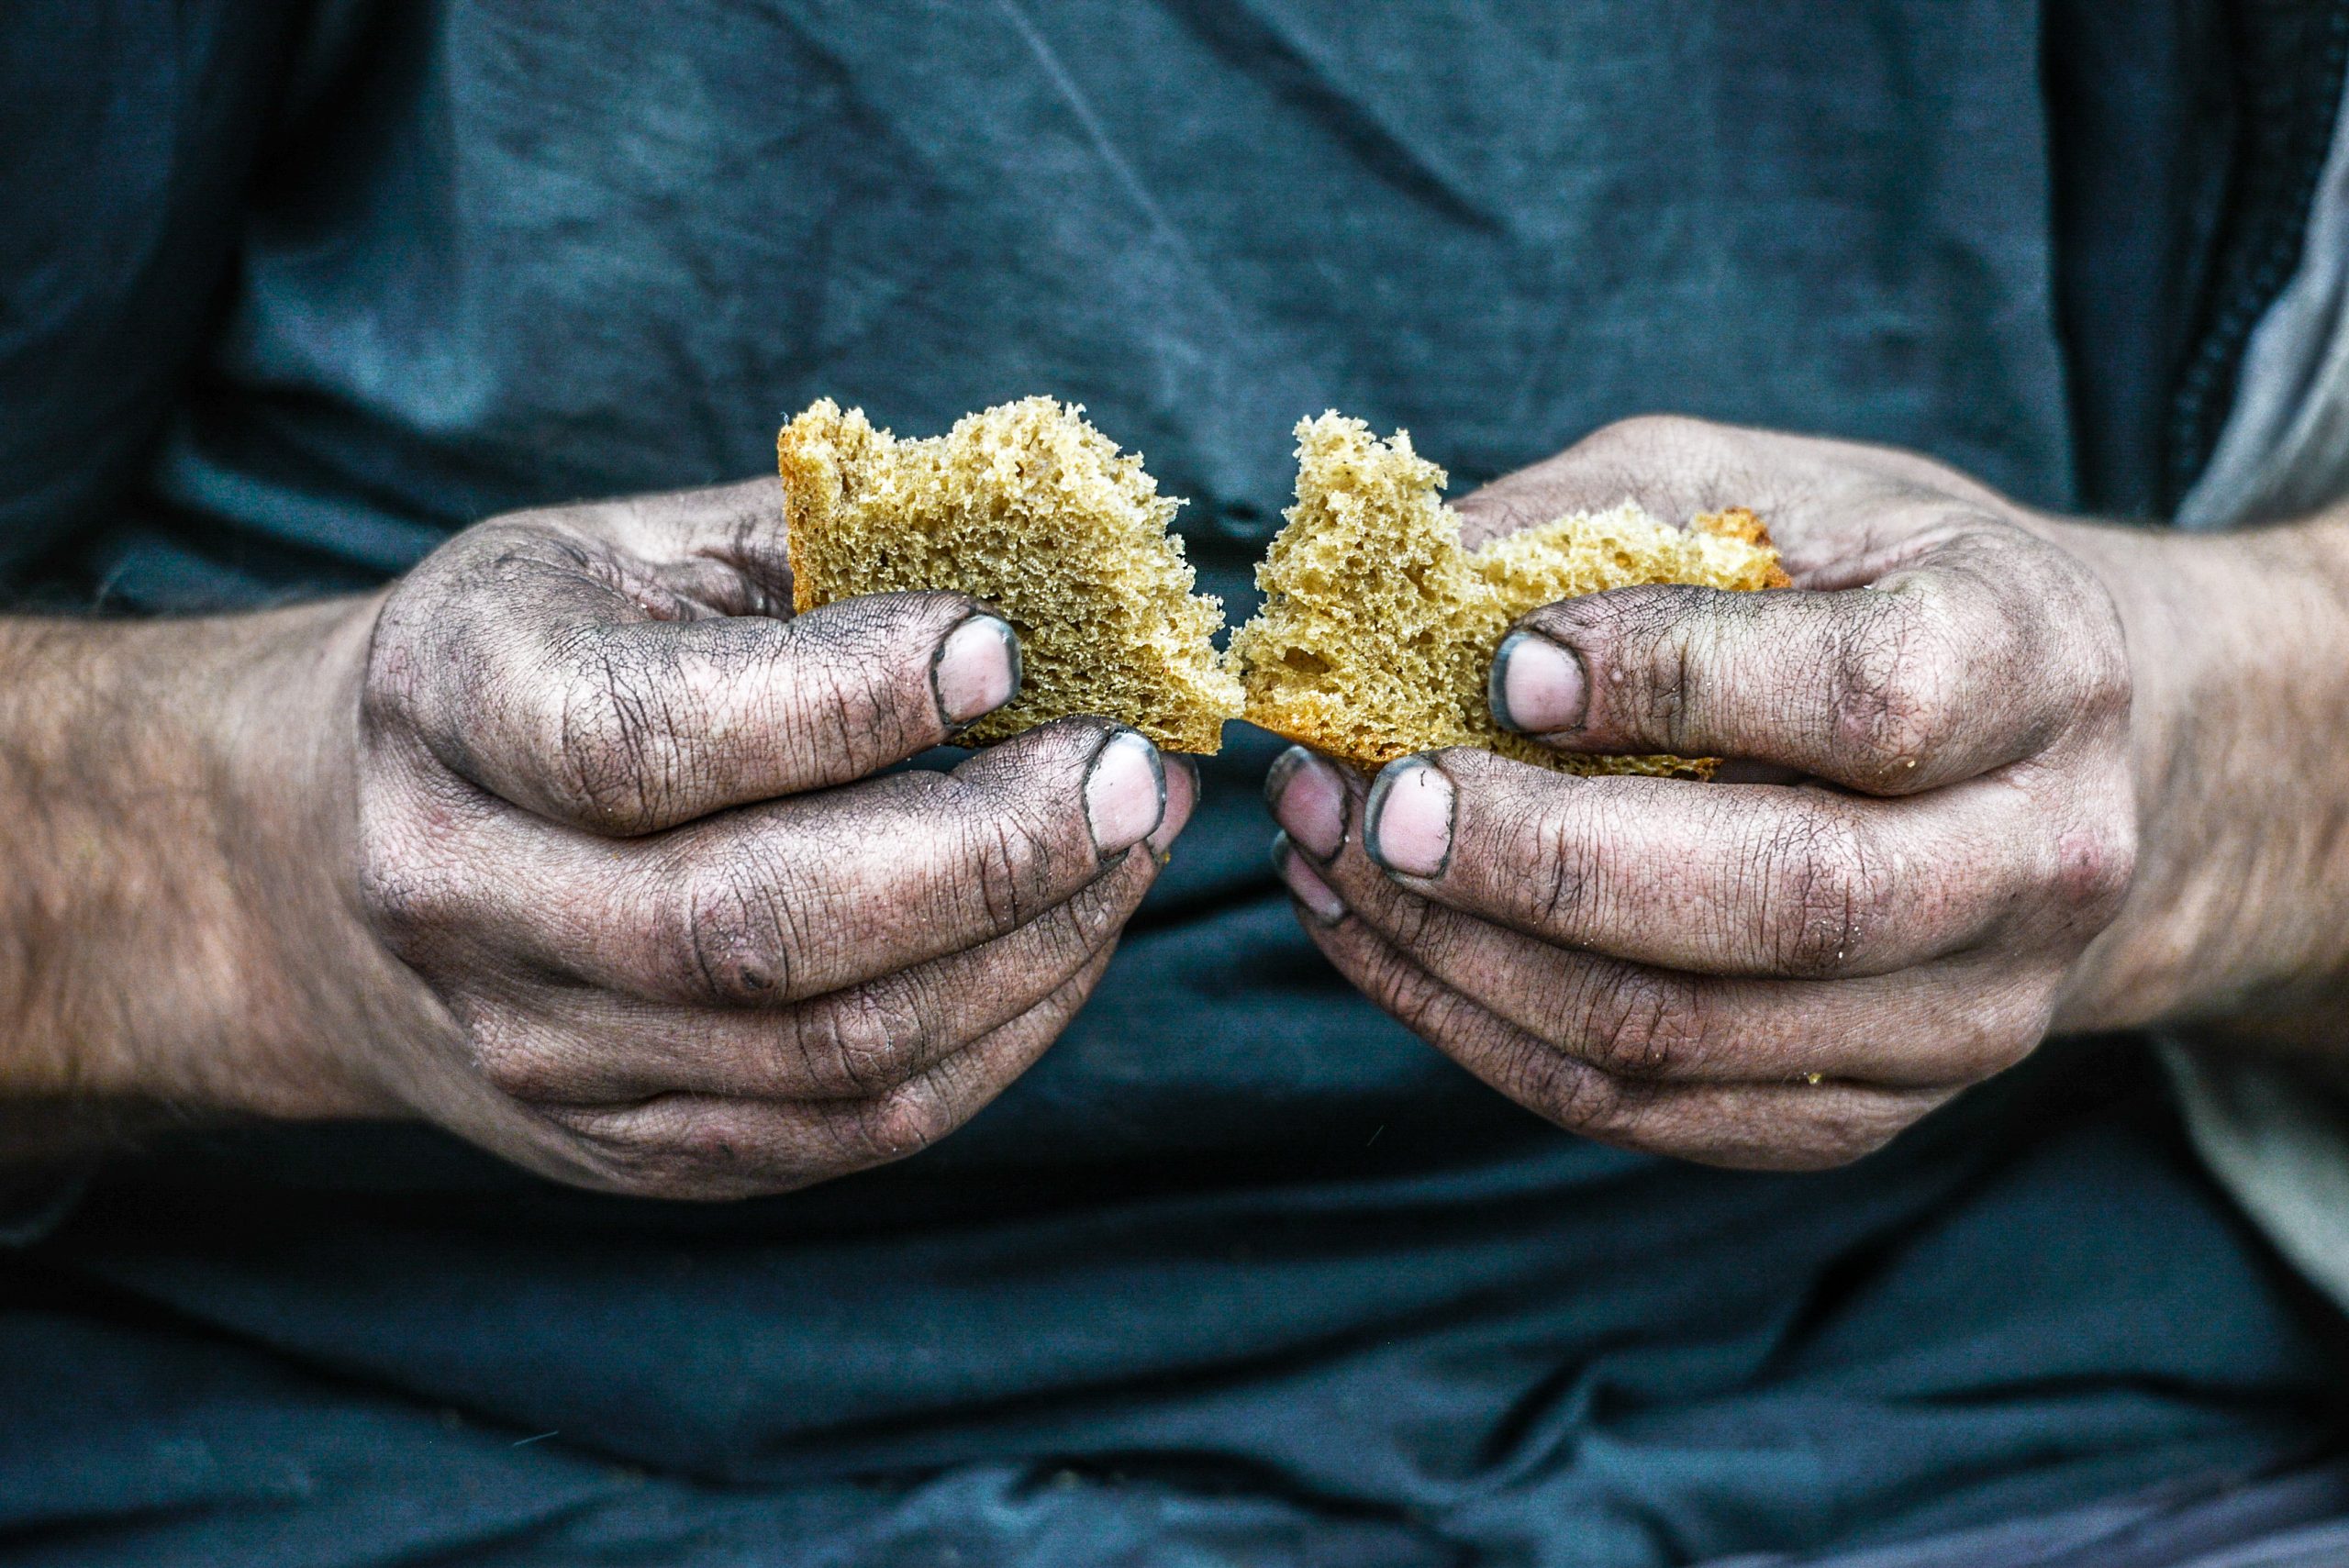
(1770, 975)
(615, 811)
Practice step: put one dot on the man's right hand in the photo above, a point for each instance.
(658, 927)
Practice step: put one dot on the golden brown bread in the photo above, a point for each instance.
(1029, 507)
(1379, 627)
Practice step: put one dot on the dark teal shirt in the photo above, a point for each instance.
(314, 286)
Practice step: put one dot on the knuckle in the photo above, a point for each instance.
(1057, 943)
(609, 769)
(735, 939)
(416, 878)
(2086, 641)
(521, 1065)
(900, 1122)
(1673, 686)
(1007, 861)
(842, 701)
(2112, 684)
(1826, 897)
(406, 904)
(695, 1155)
(708, 1150)
(1892, 691)
(858, 1042)
(1562, 1088)
(1639, 1025)
(1548, 865)
(2094, 871)
(389, 697)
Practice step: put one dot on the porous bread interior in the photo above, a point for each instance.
(1031, 508)
(1379, 627)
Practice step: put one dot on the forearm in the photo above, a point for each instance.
(2238, 922)
(172, 932)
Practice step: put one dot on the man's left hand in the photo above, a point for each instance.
(1771, 974)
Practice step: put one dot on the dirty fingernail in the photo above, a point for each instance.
(1125, 792)
(1406, 824)
(1536, 686)
(1307, 885)
(1182, 797)
(976, 670)
(1307, 799)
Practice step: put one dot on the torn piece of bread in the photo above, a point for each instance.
(1379, 627)
(1034, 510)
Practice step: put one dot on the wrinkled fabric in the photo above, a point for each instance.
(1240, 1271)
(2283, 452)
(2072, 1323)
(502, 252)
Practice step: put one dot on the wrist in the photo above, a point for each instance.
(188, 935)
(2239, 655)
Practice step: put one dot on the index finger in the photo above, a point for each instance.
(538, 675)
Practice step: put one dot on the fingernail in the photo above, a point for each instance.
(1182, 797)
(1308, 799)
(1407, 826)
(1536, 686)
(976, 669)
(1125, 792)
(1305, 882)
